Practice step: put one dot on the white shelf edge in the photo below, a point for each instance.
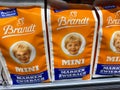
(62, 83)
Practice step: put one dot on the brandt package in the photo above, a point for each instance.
(72, 37)
(107, 62)
(23, 44)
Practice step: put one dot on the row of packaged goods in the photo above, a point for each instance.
(39, 44)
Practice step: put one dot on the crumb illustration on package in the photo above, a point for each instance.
(22, 52)
(72, 37)
(24, 46)
(73, 44)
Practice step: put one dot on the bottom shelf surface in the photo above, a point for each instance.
(65, 83)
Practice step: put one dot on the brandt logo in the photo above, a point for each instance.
(114, 21)
(20, 21)
(73, 14)
(71, 21)
(19, 30)
(118, 14)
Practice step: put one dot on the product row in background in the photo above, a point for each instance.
(81, 43)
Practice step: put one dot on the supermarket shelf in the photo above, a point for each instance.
(64, 83)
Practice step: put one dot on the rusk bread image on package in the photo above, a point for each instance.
(23, 44)
(107, 62)
(72, 38)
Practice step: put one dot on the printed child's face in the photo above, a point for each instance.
(73, 47)
(23, 55)
(117, 44)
